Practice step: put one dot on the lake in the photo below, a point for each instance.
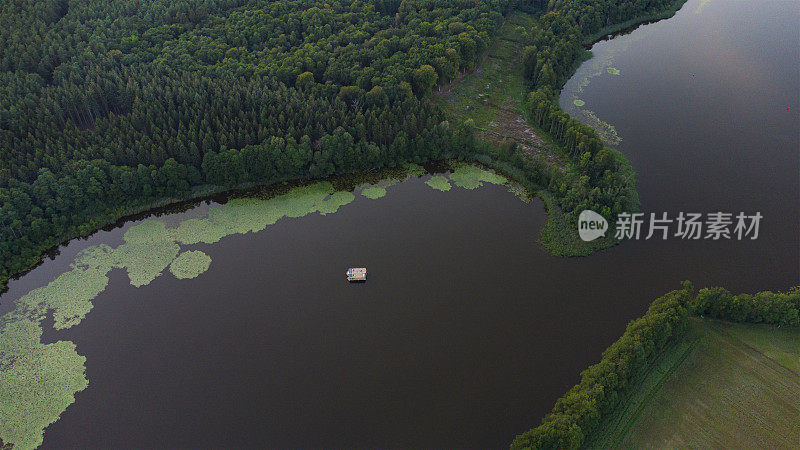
(466, 331)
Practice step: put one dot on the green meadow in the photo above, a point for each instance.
(724, 385)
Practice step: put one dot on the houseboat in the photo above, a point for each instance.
(357, 274)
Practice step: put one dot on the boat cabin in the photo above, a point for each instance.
(357, 274)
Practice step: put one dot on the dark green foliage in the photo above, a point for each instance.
(529, 62)
(764, 307)
(600, 179)
(351, 96)
(224, 92)
(424, 80)
(579, 412)
(304, 80)
(376, 97)
(108, 106)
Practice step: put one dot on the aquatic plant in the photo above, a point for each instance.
(42, 379)
(68, 296)
(195, 230)
(593, 68)
(37, 381)
(374, 192)
(405, 172)
(147, 251)
(334, 202)
(244, 215)
(605, 130)
(578, 102)
(472, 177)
(520, 192)
(439, 182)
(612, 71)
(190, 264)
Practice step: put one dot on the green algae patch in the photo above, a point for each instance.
(97, 257)
(304, 200)
(42, 379)
(520, 192)
(473, 177)
(245, 215)
(578, 102)
(193, 231)
(147, 251)
(190, 264)
(69, 296)
(605, 130)
(612, 71)
(335, 201)
(38, 382)
(374, 192)
(439, 182)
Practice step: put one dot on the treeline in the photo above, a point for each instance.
(108, 106)
(602, 388)
(281, 159)
(232, 91)
(580, 411)
(86, 196)
(782, 308)
(80, 199)
(600, 179)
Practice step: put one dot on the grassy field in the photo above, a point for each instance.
(724, 386)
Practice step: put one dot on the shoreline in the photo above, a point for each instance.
(222, 194)
(554, 236)
(629, 26)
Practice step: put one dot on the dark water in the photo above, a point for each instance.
(467, 331)
(708, 106)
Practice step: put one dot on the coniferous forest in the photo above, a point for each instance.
(108, 107)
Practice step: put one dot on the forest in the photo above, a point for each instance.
(109, 107)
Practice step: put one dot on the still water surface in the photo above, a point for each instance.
(467, 331)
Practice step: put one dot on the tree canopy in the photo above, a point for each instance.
(109, 106)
